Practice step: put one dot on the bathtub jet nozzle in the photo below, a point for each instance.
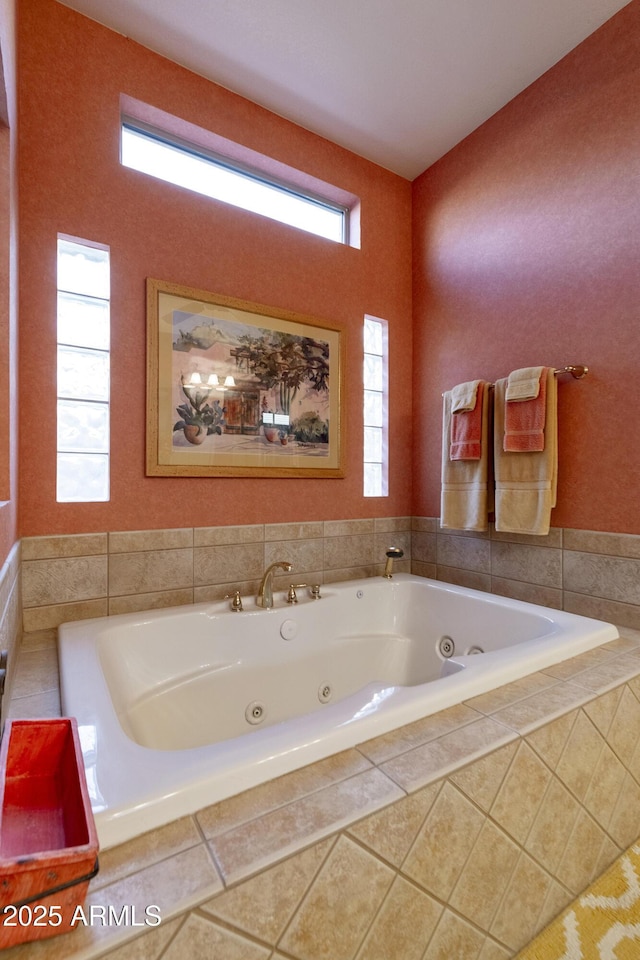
(393, 553)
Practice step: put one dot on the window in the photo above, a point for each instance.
(186, 165)
(83, 371)
(376, 473)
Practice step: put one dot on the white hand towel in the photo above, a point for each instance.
(463, 397)
(524, 384)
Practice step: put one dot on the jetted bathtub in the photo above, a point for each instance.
(182, 707)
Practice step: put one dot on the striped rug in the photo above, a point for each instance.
(602, 924)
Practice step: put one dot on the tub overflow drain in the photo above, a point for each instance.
(325, 692)
(446, 646)
(255, 712)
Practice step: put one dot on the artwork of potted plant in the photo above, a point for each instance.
(198, 418)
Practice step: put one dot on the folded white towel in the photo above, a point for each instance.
(463, 397)
(524, 384)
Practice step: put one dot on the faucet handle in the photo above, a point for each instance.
(291, 595)
(236, 601)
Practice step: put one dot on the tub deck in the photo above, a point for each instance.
(561, 724)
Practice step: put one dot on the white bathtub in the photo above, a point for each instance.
(162, 698)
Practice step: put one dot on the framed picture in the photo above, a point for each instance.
(239, 389)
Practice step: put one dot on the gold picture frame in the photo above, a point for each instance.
(239, 389)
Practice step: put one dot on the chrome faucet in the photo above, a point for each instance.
(265, 590)
(393, 553)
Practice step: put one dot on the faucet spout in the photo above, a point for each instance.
(265, 590)
(393, 553)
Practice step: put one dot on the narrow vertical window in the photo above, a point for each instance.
(376, 474)
(83, 372)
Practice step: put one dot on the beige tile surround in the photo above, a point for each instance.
(90, 575)
(94, 575)
(460, 835)
(10, 616)
(536, 786)
(593, 573)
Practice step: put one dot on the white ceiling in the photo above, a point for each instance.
(397, 81)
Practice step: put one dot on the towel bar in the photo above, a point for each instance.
(577, 371)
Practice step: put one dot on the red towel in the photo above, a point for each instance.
(466, 431)
(524, 421)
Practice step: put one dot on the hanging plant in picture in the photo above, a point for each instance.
(283, 363)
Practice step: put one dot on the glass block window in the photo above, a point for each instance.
(376, 473)
(83, 372)
(185, 165)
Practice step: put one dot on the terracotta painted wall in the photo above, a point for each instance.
(72, 73)
(527, 251)
(8, 281)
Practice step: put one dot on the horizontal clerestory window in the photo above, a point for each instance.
(169, 158)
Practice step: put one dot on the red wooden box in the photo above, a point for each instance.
(48, 840)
